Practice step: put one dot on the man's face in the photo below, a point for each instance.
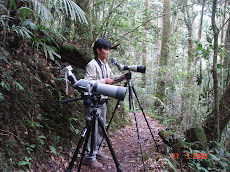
(103, 53)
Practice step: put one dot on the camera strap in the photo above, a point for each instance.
(66, 83)
(99, 63)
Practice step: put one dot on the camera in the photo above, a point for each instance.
(134, 68)
(113, 91)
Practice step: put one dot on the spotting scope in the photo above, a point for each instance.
(113, 91)
(134, 68)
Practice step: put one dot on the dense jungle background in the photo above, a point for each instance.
(184, 44)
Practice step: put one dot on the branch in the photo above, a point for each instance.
(111, 13)
(224, 24)
(144, 23)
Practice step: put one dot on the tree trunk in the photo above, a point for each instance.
(214, 74)
(188, 19)
(221, 42)
(85, 31)
(227, 55)
(194, 61)
(164, 47)
(144, 51)
(224, 113)
(201, 21)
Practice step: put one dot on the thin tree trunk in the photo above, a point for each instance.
(199, 38)
(226, 62)
(164, 47)
(201, 21)
(221, 41)
(214, 74)
(144, 51)
(188, 22)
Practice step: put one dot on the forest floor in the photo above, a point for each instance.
(127, 150)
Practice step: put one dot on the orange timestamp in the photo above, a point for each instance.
(191, 156)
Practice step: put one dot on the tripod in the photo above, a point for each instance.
(132, 90)
(90, 128)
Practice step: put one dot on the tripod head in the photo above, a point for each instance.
(93, 99)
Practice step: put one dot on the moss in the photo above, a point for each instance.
(172, 140)
(197, 136)
(73, 49)
(164, 134)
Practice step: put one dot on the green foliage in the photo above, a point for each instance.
(69, 7)
(53, 149)
(36, 118)
(170, 164)
(215, 159)
(218, 159)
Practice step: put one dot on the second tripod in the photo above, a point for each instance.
(132, 93)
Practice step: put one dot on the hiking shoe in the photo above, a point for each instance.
(92, 163)
(102, 157)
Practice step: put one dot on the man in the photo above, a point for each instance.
(98, 70)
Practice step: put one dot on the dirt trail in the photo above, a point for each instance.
(127, 150)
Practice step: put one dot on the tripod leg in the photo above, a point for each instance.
(134, 112)
(85, 132)
(85, 144)
(100, 123)
(130, 96)
(135, 93)
(132, 106)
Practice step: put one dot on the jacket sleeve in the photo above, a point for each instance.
(116, 78)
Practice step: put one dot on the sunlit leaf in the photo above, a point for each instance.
(171, 165)
(21, 163)
(20, 87)
(53, 149)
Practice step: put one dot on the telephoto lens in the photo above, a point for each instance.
(113, 91)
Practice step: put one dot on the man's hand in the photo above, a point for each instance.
(109, 81)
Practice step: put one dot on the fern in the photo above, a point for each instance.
(49, 52)
(22, 31)
(72, 9)
(42, 11)
(171, 165)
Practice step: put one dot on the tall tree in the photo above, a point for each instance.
(201, 20)
(164, 55)
(194, 61)
(227, 54)
(144, 51)
(214, 73)
(224, 5)
(189, 17)
(84, 32)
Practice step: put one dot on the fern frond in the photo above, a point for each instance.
(71, 9)
(22, 31)
(42, 11)
(49, 52)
